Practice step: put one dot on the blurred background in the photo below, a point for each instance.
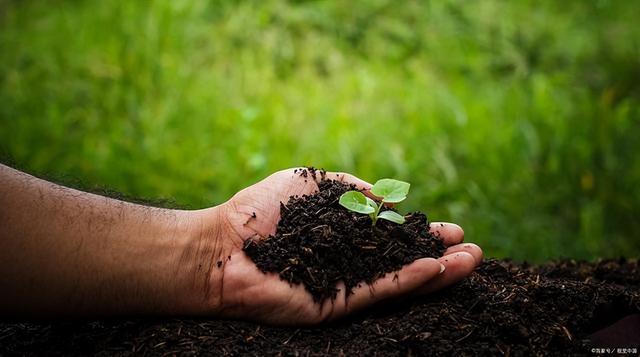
(519, 120)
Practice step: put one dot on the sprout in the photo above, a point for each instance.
(391, 191)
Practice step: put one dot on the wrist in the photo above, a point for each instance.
(198, 263)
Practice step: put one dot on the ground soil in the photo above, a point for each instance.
(503, 308)
(319, 243)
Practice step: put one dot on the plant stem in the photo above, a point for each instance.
(374, 215)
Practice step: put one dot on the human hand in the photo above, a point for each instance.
(240, 290)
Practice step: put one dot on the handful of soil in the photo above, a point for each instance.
(319, 243)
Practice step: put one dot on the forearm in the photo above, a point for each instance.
(67, 252)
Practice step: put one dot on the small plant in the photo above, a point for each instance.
(391, 191)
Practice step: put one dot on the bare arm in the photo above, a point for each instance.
(67, 252)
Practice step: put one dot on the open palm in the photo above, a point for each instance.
(248, 293)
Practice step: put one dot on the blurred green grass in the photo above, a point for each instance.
(518, 120)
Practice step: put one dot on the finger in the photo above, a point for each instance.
(349, 179)
(470, 248)
(394, 284)
(450, 233)
(458, 266)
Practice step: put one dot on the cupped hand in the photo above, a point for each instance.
(245, 292)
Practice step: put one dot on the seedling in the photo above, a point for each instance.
(391, 191)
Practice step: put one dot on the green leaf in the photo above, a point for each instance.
(391, 216)
(372, 203)
(390, 190)
(355, 201)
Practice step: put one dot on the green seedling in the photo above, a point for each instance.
(391, 191)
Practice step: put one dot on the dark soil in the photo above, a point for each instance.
(503, 308)
(319, 243)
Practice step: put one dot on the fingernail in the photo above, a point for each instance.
(442, 267)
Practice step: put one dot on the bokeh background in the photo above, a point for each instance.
(520, 120)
